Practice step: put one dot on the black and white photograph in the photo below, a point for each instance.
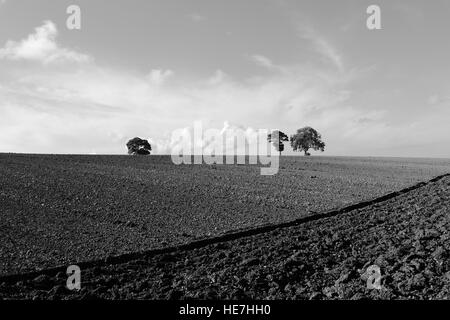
(224, 155)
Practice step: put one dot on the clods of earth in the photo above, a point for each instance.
(406, 237)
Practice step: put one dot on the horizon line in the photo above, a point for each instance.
(222, 155)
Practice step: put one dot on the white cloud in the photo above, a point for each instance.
(100, 109)
(85, 107)
(41, 46)
(218, 77)
(158, 77)
(97, 108)
(262, 61)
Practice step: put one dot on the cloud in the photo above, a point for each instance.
(98, 108)
(228, 139)
(158, 77)
(328, 51)
(78, 108)
(262, 61)
(322, 46)
(41, 46)
(218, 77)
(92, 107)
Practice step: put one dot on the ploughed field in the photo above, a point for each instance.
(61, 210)
(407, 237)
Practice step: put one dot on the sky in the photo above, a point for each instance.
(148, 68)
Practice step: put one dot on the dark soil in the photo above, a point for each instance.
(61, 210)
(407, 237)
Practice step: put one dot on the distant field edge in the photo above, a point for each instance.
(233, 235)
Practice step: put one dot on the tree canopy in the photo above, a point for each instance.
(138, 146)
(277, 138)
(307, 138)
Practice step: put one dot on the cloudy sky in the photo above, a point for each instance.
(146, 68)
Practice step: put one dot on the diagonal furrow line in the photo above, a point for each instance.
(221, 238)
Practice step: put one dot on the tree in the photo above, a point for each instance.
(307, 138)
(277, 138)
(138, 146)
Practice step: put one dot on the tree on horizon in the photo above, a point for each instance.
(277, 138)
(307, 138)
(138, 146)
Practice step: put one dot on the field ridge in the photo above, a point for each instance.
(229, 236)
